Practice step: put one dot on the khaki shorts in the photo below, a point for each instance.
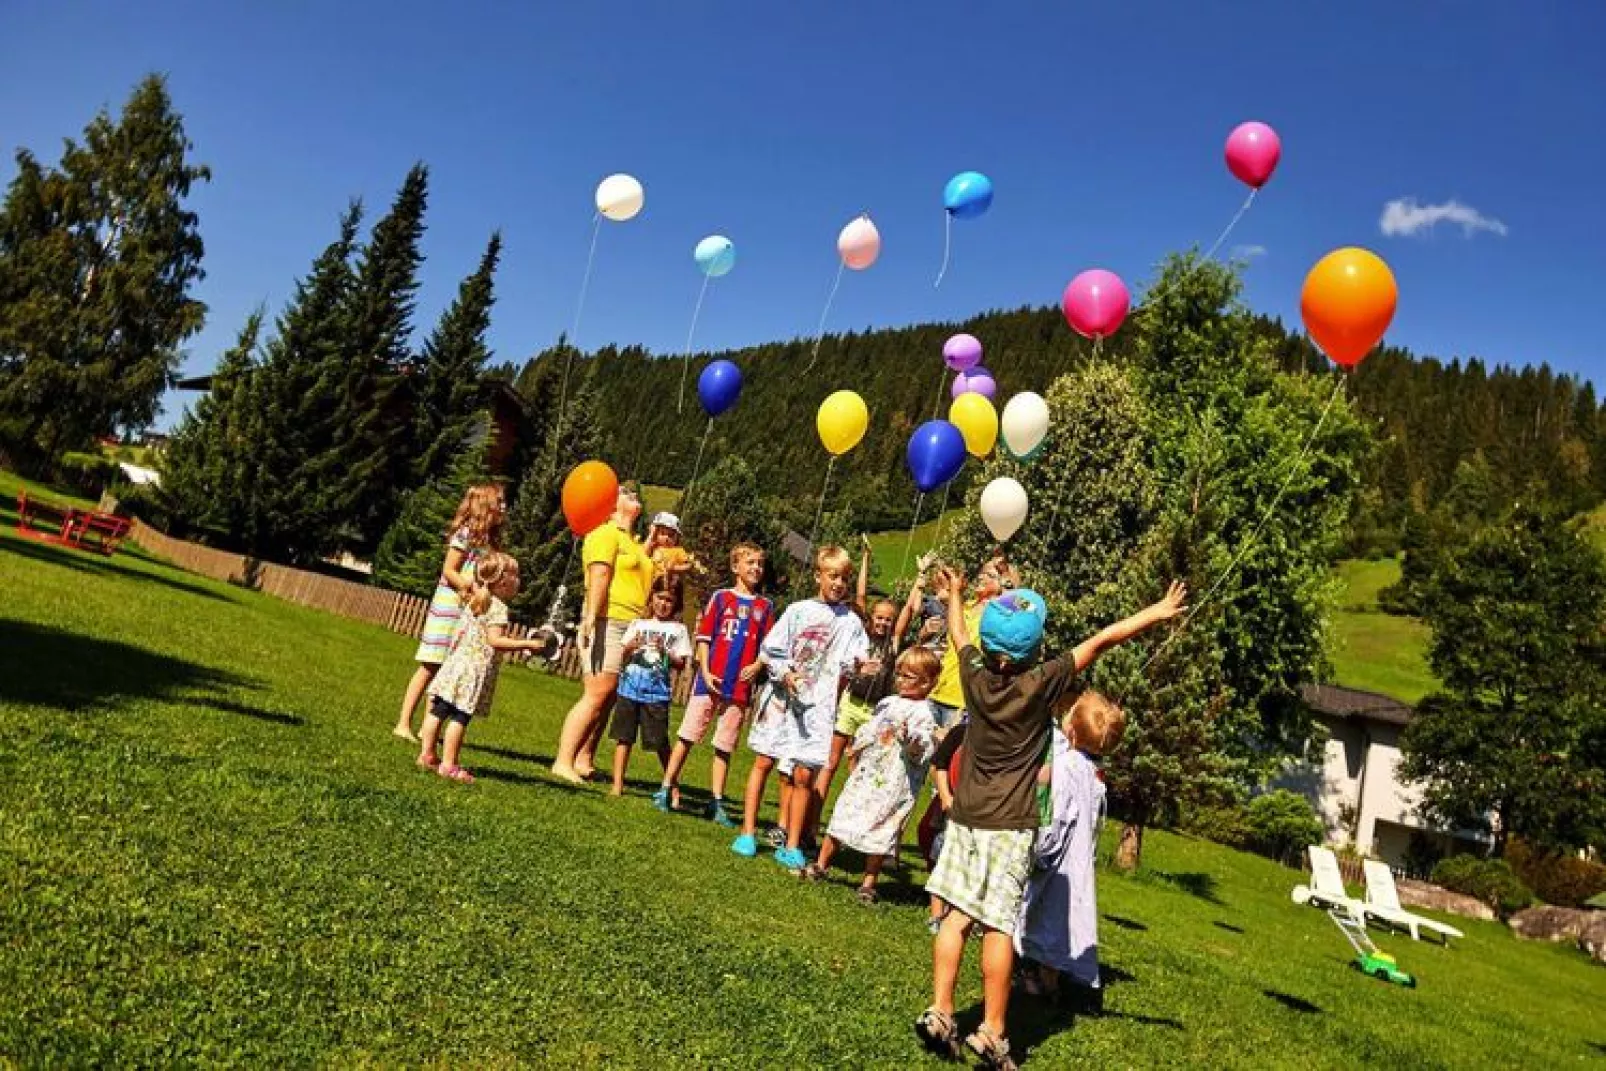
(701, 711)
(606, 651)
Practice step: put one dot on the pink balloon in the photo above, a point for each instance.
(962, 352)
(976, 381)
(1253, 150)
(1095, 303)
(859, 243)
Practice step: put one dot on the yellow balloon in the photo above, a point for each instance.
(842, 421)
(977, 421)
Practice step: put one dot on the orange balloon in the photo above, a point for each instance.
(1347, 303)
(590, 492)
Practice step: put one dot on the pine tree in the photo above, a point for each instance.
(205, 469)
(452, 371)
(410, 554)
(372, 460)
(97, 261)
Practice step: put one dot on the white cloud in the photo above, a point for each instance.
(1247, 252)
(1404, 217)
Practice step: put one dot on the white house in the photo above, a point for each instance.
(1356, 788)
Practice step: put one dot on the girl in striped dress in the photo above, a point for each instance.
(476, 530)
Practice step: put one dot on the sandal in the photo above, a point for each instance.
(455, 773)
(938, 1033)
(867, 896)
(992, 1050)
(812, 872)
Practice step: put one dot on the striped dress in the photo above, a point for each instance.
(441, 621)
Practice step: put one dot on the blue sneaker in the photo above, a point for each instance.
(745, 846)
(660, 800)
(716, 813)
(792, 858)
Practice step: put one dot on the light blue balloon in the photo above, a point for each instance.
(968, 194)
(715, 255)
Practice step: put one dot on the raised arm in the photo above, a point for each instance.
(1174, 603)
(953, 581)
(861, 594)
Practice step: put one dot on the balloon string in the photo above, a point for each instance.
(936, 405)
(1248, 544)
(698, 467)
(685, 363)
(942, 511)
(908, 544)
(1222, 237)
(819, 332)
(819, 514)
(947, 244)
(574, 339)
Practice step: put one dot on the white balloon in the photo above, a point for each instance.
(1003, 507)
(1024, 424)
(620, 197)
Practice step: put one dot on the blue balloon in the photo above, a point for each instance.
(718, 387)
(968, 194)
(936, 454)
(715, 255)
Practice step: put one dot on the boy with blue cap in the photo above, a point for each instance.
(987, 853)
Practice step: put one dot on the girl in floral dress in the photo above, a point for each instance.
(463, 688)
(889, 755)
(475, 530)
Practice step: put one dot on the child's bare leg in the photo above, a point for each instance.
(800, 804)
(453, 744)
(427, 736)
(827, 853)
(718, 772)
(997, 969)
(663, 757)
(621, 761)
(946, 954)
(938, 906)
(872, 870)
(677, 762)
(415, 691)
(754, 797)
(822, 784)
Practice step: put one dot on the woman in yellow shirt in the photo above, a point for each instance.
(618, 575)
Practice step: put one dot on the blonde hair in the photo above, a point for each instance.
(921, 660)
(480, 515)
(1094, 724)
(740, 550)
(497, 571)
(833, 560)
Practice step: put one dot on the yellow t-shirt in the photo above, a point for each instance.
(632, 570)
(948, 691)
(667, 559)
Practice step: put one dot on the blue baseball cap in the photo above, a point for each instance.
(1012, 625)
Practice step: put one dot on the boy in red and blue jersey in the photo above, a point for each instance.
(729, 635)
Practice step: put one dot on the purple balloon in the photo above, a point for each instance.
(976, 381)
(962, 352)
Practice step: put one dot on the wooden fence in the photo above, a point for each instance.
(393, 610)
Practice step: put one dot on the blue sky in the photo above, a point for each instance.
(1100, 125)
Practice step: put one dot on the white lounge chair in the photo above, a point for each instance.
(1383, 904)
(1326, 888)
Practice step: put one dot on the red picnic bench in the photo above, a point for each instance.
(69, 526)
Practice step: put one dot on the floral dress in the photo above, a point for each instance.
(446, 605)
(893, 749)
(467, 679)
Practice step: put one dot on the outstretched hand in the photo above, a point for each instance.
(950, 578)
(1174, 603)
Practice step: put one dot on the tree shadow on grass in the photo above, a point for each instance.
(509, 754)
(1126, 924)
(1034, 1020)
(51, 667)
(1229, 927)
(1195, 884)
(95, 565)
(1293, 1003)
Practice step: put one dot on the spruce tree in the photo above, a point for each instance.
(410, 554)
(452, 371)
(206, 465)
(371, 463)
(98, 258)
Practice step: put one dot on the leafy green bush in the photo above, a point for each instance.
(1490, 880)
(88, 473)
(1563, 880)
(1282, 823)
(145, 502)
(1227, 825)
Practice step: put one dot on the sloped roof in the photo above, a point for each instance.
(1339, 702)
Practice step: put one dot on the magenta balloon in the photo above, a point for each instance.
(976, 381)
(962, 352)
(1253, 150)
(1095, 303)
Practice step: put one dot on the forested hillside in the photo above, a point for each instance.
(1542, 433)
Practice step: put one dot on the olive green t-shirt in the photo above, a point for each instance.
(1010, 717)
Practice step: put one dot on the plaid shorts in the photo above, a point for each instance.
(982, 873)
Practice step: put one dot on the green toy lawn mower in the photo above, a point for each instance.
(1369, 960)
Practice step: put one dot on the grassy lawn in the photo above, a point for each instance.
(894, 553)
(1376, 651)
(213, 851)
